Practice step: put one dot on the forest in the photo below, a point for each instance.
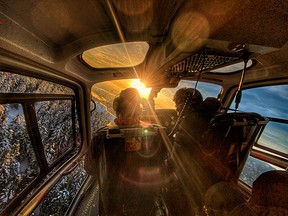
(19, 166)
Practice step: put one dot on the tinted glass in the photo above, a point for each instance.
(116, 55)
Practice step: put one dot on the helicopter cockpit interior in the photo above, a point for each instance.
(62, 64)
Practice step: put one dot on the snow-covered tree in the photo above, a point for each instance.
(59, 198)
(17, 158)
(16, 173)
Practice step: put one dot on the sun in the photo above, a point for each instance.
(143, 91)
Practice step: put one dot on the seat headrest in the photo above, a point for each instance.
(240, 119)
(211, 104)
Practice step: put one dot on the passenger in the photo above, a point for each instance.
(128, 112)
(107, 159)
(187, 145)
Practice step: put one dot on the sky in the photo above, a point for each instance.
(269, 101)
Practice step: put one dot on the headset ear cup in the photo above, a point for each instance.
(116, 104)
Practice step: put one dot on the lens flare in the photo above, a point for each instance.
(143, 91)
(190, 31)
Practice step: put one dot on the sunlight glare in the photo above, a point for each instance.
(143, 91)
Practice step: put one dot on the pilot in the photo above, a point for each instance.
(195, 117)
(189, 103)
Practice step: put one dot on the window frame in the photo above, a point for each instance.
(258, 151)
(275, 120)
(248, 86)
(28, 100)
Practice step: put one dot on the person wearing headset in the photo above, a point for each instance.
(194, 117)
(128, 109)
(115, 162)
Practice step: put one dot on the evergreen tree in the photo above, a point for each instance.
(18, 162)
(59, 198)
(4, 147)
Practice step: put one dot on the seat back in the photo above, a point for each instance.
(269, 193)
(135, 153)
(229, 139)
(211, 105)
(130, 169)
(143, 140)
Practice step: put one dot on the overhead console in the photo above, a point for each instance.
(204, 60)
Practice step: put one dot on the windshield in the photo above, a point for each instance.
(105, 92)
(164, 99)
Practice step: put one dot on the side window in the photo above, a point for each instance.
(18, 161)
(55, 127)
(39, 131)
(271, 102)
(100, 117)
(254, 168)
(57, 201)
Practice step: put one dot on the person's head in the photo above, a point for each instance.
(128, 104)
(190, 95)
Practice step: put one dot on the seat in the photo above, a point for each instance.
(228, 141)
(211, 105)
(130, 168)
(136, 151)
(270, 193)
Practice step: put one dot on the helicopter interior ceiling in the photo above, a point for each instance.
(55, 33)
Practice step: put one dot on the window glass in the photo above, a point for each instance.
(165, 97)
(100, 117)
(57, 201)
(15, 83)
(275, 137)
(104, 93)
(254, 168)
(18, 164)
(116, 55)
(269, 101)
(55, 126)
(233, 68)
